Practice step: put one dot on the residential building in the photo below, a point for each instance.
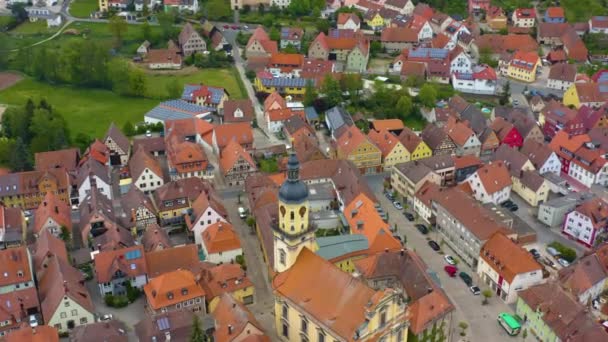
(463, 137)
(226, 278)
(591, 94)
(542, 157)
(404, 7)
(422, 202)
(587, 277)
(587, 222)
(139, 209)
(498, 44)
(507, 268)
(38, 334)
(292, 318)
(531, 187)
(238, 111)
(206, 211)
(491, 183)
(524, 17)
(17, 288)
(191, 41)
(235, 323)
(507, 133)
(205, 96)
(464, 224)
(355, 146)
(35, 13)
(91, 175)
(236, 164)
(405, 270)
(565, 146)
(118, 144)
(523, 66)
(112, 330)
(393, 152)
(146, 172)
(416, 147)
(589, 166)
(496, 18)
(553, 212)
(395, 39)
(444, 166)
(348, 47)
(556, 117)
(175, 198)
(173, 110)
(477, 6)
(186, 159)
(438, 140)
(561, 76)
(336, 118)
(260, 45)
(26, 190)
(53, 215)
(553, 314)
(117, 267)
(175, 325)
(220, 243)
(173, 291)
(598, 24)
(240, 132)
(348, 21)
(554, 15)
(67, 159)
(277, 117)
(155, 238)
(64, 299)
(513, 159)
(408, 178)
(465, 166)
(291, 36)
(185, 257)
(481, 79)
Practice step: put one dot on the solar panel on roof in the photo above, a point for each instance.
(163, 323)
(603, 88)
(133, 254)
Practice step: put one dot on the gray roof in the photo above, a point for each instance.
(414, 170)
(532, 180)
(438, 162)
(338, 117)
(433, 136)
(321, 191)
(513, 159)
(92, 167)
(176, 109)
(331, 247)
(311, 113)
(475, 118)
(572, 199)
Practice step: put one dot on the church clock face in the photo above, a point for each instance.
(302, 211)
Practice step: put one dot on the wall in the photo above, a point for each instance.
(225, 257)
(150, 184)
(535, 322)
(203, 221)
(80, 316)
(85, 188)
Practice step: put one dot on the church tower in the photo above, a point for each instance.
(294, 230)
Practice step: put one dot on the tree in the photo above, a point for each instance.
(428, 95)
(404, 107)
(487, 294)
(197, 334)
(118, 28)
(48, 131)
(331, 90)
(65, 235)
(353, 84)
(218, 9)
(506, 94)
(463, 327)
(375, 47)
(19, 12)
(145, 11)
(274, 34)
(19, 159)
(166, 21)
(128, 129)
(310, 94)
(146, 31)
(524, 334)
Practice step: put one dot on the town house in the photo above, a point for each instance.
(116, 270)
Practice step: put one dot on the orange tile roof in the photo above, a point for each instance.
(494, 176)
(171, 288)
(281, 114)
(67, 158)
(220, 237)
(597, 211)
(384, 140)
(224, 278)
(363, 218)
(230, 313)
(13, 261)
(555, 12)
(182, 154)
(530, 59)
(241, 132)
(41, 333)
(190, 126)
(47, 245)
(108, 262)
(563, 140)
(273, 98)
(388, 124)
(343, 18)
(507, 258)
(287, 59)
(231, 154)
(142, 160)
(53, 208)
(202, 203)
(350, 140)
(458, 131)
(278, 178)
(340, 301)
(171, 259)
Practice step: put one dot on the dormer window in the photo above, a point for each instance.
(169, 295)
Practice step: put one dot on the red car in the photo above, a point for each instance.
(226, 26)
(235, 27)
(451, 270)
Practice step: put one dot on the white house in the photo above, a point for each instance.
(405, 7)
(221, 243)
(589, 167)
(480, 80)
(182, 5)
(587, 278)
(146, 172)
(491, 183)
(561, 76)
(349, 21)
(92, 173)
(588, 221)
(524, 17)
(422, 201)
(422, 27)
(507, 268)
(598, 24)
(461, 63)
(37, 13)
(542, 157)
(206, 211)
(276, 117)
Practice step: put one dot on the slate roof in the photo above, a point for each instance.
(331, 247)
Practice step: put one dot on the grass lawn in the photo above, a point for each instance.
(226, 78)
(32, 28)
(25, 34)
(89, 111)
(83, 8)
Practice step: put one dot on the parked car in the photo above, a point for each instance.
(451, 270)
(448, 258)
(434, 245)
(106, 317)
(409, 216)
(466, 278)
(226, 26)
(398, 205)
(475, 290)
(33, 321)
(422, 229)
(148, 133)
(563, 262)
(514, 207)
(389, 195)
(235, 27)
(507, 204)
(535, 253)
(552, 251)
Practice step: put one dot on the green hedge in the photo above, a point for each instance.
(565, 252)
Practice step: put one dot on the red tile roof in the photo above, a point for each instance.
(52, 208)
(494, 176)
(507, 258)
(220, 237)
(171, 288)
(230, 313)
(555, 12)
(232, 153)
(224, 278)
(41, 333)
(241, 132)
(130, 261)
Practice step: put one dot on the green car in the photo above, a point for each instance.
(466, 278)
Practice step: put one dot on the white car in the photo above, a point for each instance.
(33, 321)
(106, 317)
(449, 260)
(148, 133)
(475, 290)
(563, 262)
(398, 205)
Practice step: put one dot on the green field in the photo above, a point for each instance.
(89, 111)
(25, 34)
(226, 78)
(83, 8)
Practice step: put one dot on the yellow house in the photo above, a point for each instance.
(226, 278)
(353, 145)
(343, 309)
(523, 66)
(393, 151)
(265, 83)
(587, 94)
(176, 197)
(416, 147)
(26, 190)
(103, 5)
(531, 187)
(375, 20)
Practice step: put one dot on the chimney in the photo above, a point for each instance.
(386, 250)
(230, 329)
(402, 252)
(44, 203)
(167, 336)
(107, 325)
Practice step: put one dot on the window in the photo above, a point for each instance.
(83, 320)
(282, 256)
(74, 312)
(304, 325)
(383, 317)
(66, 304)
(285, 330)
(63, 315)
(58, 326)
(285, 312)
(321, 337)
